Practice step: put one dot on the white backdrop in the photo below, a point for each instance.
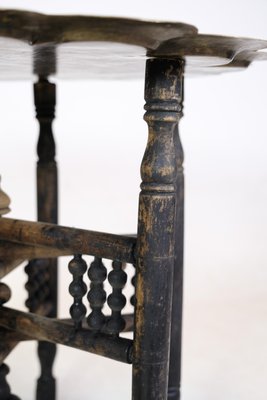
(224, 138)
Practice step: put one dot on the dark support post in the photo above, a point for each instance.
(156, 231)
(177, 298)
(45, 99)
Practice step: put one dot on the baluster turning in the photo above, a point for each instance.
(97, 274)
(116, 300)
(77, 289)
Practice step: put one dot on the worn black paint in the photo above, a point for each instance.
(47, 204)
(57, 331)
(177, 300)
(77, 289)
(156, 232)
(97, 296)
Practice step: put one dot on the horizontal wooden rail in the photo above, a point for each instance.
(15, 251)
(75, 241)
(56, 331)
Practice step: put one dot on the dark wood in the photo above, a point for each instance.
(128, 318)
(177, 298)
(42, 273)
(116, 300)
(5, 393)
(5, 293)
(82, 47)
(46, 384)
(56, 331)
(47, 191)
(77, 289)
(156, 232)
(97, 274)
(37, 285)
(36, 28)
(76, 241)
(7, 345)
(14, 254)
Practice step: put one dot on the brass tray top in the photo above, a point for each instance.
(81, 47)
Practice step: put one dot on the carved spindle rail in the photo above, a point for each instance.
(97, 274)
(77, 289)
(116, 300)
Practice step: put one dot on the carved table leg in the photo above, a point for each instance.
(156, 232)
(42, 283)
(177, 299)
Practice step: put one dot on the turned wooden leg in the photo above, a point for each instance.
(156, 232)
(177, 298)
(45, 96)
(42, 282)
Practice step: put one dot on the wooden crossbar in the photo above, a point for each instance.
(68, 240)
(52, 330)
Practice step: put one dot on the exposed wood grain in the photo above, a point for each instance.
(156, 231)
(174, 380)
(37, 28)
(56, 331)
(76, 241)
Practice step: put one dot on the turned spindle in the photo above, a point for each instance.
(77, 289)
(97, 274)
(116, 300)
(47, 192)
